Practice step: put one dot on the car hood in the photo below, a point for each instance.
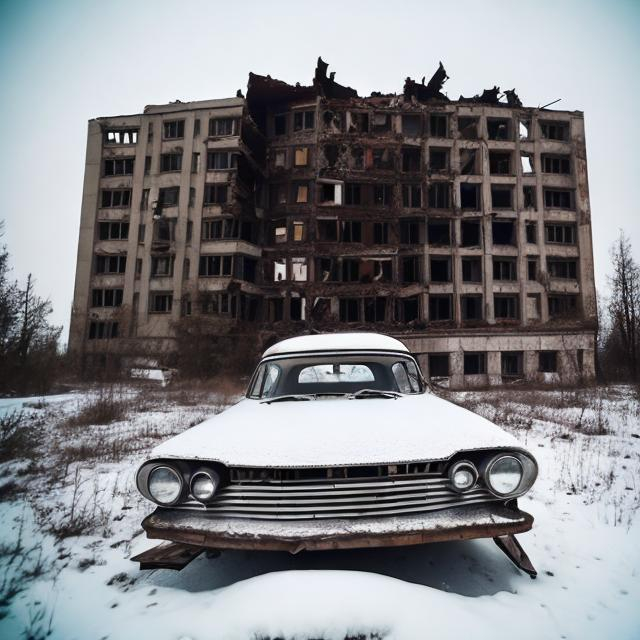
(335, 432)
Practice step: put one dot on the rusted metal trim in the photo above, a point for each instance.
(512, 549)
(168, 555)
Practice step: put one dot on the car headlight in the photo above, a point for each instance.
(463, 475)
(504, 475)
(165, 485)
(204, 485)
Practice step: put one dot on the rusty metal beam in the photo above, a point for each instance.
(168, 555)
(512, 549)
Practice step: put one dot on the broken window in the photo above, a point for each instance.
(196, 127)
(533, 307)
(279, 231)
(382, 194)
(357, 157)
(526, 162)
(381, 122)
(556, 164)
(115, 198)
(173, 129)
(375, 309)
(330, 193)
(300, 192)
(471, 231)
(529, 196)
(411, 196)
(106, 297)
(327, 270)
(504, 269)
(411, 159)
(141, 232)
(299, 269)
(408, 309)
(438, 365)
(171, 162)
(553, 130)
(558, 198)
(439, 125)
(563, 306)
(468, 128)
(511, 363)
(411, 126)
(327, 230)
(499, 128)
(103, 330)
(524, 128)
(121, 136)
(168, 196)
(531, 231)
(279, 269)
(350, 270)
(162, 266)
(221, 126)
(189, 230)
(280, 158)
(440, 269)
(439, 232)
(380, 233)
(471, 270)
(297, 307)
(220, 160)
(438, 160)
(350, 231)
(164, 230)
(275, 309)
(138, 268)
(110, 264)
(562, 268)
(376, 270)
(195, 162)
(501, 196)
(160, 302)
(439, 195)
(215, 193)
(277, 194)
(548, 361)
(359, 122)
(468, 161)
(471, 307)
(410, 269)
(440, 308)
(352, 193)
(381, 159)
(532, 269)
(505, 307)
(301, 157)
(499, 162)
(220, 229)
(410, 231)
(470, 196)
(118, 166)
(349, 309)
(280, 124)
(561, 233)
(147, 165)
(113, 230)
(215, 266)
(192, 196)
(503, 232)
(304, 120)
(474, 363)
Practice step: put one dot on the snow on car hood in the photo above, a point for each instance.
(337, 431)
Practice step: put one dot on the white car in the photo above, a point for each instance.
(339, 443)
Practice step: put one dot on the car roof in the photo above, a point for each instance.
(336, 342)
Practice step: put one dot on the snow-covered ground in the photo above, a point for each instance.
(70, 520)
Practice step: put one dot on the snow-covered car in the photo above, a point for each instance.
(339, 443)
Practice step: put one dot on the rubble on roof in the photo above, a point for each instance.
(431, 91)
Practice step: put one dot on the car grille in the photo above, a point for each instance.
(312, 499)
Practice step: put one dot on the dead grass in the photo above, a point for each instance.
(105, 407)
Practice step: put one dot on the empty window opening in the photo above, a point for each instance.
(280, 158)
(277, 194)
(160, 303)
(471, 231)
(349, 309)
(412, 126)
(352, 194)
(359, 122)
(164, 230)
(121, 136)
(110, 264)
(524, 129)
(113, 230)
(327, 270)
(192, 196)
(558, 198)
(328, 230)
(103, 330)
(562, 268)
(501, 196)
(532, 269)
(526, 162)
(499, 163)
(439, 125)
(533, 307)
(147, 165)
(380, 233)
(381, 122)
(439, 232)
(215, 266)
(382, 194)
(299, 269)
(440, 308)
(438, 365)
(168, 196)
(118, 167)
(376, 270)
(304, 120)
(410, 232)
(357, 157)
(468, 161)
(375, 309)
(115, 198)
(195, 162)
(297, 308)
(275, 309)
(561, 233)
(505, 307)
(468, 128)
(350, 270)
(503, 232)
(438, 160)
(279, 269)
(474, 363)
(471, 307)
(408, 309)
(499, 128)
(411, 269)
(330, 193)
(472, 269)
(225, 229)
(554, 130)
(221, 160)
(411, 196)
(331, 154)
(470, 196)
(221, 127)
(141, 233)
(439, 195)
(411, 159)
(548, 361)
(511, 363)
(280, 124)
(106, 297)
(556, 164)
(162, 266)
(504, 269)
(440, 269)
(280, 231)
(529, 196)
(531, 232)
(563, 306)
(215, 193)
(381, 159)
(350, 231)
(173, 129)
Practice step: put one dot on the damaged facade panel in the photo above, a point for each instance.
(456, 225)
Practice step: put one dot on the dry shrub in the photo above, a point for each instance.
(104, 408)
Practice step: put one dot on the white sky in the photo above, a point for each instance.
(63, 63)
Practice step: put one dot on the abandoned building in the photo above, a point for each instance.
(461, 227)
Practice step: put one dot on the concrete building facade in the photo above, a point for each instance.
(461, 227)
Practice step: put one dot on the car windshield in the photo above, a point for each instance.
(335, 375)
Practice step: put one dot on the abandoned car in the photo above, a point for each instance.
(339, 443)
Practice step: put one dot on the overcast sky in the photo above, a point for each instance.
(63, 63)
